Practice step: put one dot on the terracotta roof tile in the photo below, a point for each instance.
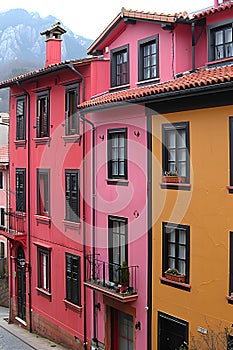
(48, 69)
(201, 77)
(212, 10)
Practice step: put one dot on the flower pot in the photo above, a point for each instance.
(173, 179)
(176, 278)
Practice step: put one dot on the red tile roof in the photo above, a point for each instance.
(4, 154)
(212, 10)
(46, 70)
(201, 77)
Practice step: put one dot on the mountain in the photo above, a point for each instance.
(22, 48)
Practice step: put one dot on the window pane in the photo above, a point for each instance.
(182, 237)
(171, 263)
(171, 250)
(181, 267)
(219, 37)
(172, 139)
(228, 35)
(182, 252)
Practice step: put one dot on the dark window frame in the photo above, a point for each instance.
(141, 45)
(72, 99)
(114, 54)
(20, 189)
(73, 288)
(211, 30)
(165, 247)
(21, 118)
(1, 180)
(177, 127)
(121, 220)
(2, 216)
(42, 251)
(43, 114)
(110, 134)
(41, 176)
(72, 204)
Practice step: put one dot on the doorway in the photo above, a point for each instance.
(172, 332)
(122, 333)
(21, 281)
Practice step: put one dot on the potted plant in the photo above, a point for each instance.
(174, 275)
(124, 277)
(172, 176)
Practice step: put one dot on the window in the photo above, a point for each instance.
(72, 100)
(148, 58)
(72, 195)
(44, 269)
(73, 281)
(221, 41)
(120, 66)
(175, 139)
(21, 118)
(42, 119)
(1, 180)
(117, 154)
(2, 213)
(176, 248)
(20, 179)
(43, 181)
(117, 245)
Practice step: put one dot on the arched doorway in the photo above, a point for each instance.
(21, 281)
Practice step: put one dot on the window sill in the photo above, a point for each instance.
(230, 189)
(221, 61)
(229, 299)
(72, 138)
(179, 285)
(71, 224)
(41, 219)
(119, 87)
(20, 143)
(148, 81)
(72, 306)
(120, 182)
(43, 292)
(175, 186)
(42, 141)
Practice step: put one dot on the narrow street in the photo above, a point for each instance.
(10, 341)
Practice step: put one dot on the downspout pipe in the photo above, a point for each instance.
(193, 45)
(29, 201)
(85, 120)
(71, 66)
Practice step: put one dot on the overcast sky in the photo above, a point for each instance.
(90, 18)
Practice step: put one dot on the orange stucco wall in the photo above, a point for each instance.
(207, 209)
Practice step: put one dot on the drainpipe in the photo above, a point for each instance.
(84, 120)
(28, 208)
(193, 46)
(71, 66)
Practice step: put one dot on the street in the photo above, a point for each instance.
(9, 341)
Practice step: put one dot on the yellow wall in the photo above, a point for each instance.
(208, 209)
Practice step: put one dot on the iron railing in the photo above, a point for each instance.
(16, 221)
(118, 278)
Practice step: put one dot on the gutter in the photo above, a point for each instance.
(29, 206)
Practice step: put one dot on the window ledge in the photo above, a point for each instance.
(179, 285)
(219, 61)
(43, 219)
(44, 292)
(72, 306)
(175, 186)
(42, 140)
(72, 138)
(148, 81)
(121, 182)
(20, 143)
(230, 189)
(119, 87)
(71, 224)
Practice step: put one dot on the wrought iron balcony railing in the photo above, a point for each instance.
(114, 280)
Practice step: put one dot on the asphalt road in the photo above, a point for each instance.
(9, 341)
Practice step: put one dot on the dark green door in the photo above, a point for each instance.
(21, 279)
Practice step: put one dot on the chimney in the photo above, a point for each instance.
(53, 43)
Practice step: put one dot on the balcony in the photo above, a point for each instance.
(113, 280)
(16, 227)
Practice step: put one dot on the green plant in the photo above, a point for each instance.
(171, 173)
(172, 271)
(124, 274)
